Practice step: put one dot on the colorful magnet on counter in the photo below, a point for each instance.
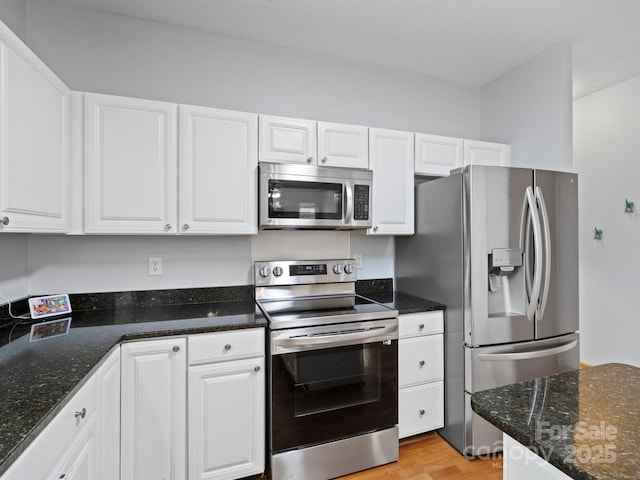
(629, 207)
(597, 234)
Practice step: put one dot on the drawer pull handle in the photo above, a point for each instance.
(422, 412)
(82, 413)
(227, 347)
(422, 362)
(176, 348)
(256, 368)
(421, 326)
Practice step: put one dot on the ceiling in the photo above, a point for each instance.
(469, 42)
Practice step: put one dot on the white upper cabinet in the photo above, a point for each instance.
(130, 165)
(287, 140)
(486, 153)
(34, 142)
(437, 155)
(341, 145)
(217, 165)
(292, 140)
(391, 157)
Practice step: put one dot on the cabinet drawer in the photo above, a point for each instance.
(220, 346)
(420, 360)
(57, 437)
(424, 323)
(420, 409)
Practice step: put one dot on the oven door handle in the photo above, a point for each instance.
(338, 338)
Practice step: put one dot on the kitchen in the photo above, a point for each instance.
(148, 60)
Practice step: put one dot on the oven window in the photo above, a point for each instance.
(325, 380)
(312, 200)
(331, 393)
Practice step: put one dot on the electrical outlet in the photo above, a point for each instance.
(358, 258)
(155, 266)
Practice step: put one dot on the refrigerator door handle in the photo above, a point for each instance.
(547, 251)
(547, 352)
(537, 241)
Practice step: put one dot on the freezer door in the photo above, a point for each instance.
(557, 197)
(497, 202)
(491, 367)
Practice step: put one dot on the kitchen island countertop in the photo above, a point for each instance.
(586, 422)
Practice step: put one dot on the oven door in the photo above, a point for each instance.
(332, 382)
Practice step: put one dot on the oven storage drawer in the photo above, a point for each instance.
(420, 360)
(228, 345)
(421, 408)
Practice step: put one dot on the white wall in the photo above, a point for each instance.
(14, 272)
(607, 159)
(14, 15)
(530, 108)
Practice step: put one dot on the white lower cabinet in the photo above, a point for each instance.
(226, 418)
(420, 373)
(520, 463)
(80, 443)
(153, 410)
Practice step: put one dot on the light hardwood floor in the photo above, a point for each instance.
(429, 457)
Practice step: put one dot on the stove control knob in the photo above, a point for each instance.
(264, 271)
(337, 269)
(277, 271)
(348, 269)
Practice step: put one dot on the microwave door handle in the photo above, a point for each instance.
(348, 216)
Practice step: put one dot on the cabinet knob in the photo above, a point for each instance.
(82, 413)
(227, 347)
(422, 363)
(309, 159)
(5, 221)
(324, 160)
(421, 326)
(176, 348)
(256, 368)
(167, 227)
(422, 412)
(375, 229)
(185, 227)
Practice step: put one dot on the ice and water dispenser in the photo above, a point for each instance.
(506, 282)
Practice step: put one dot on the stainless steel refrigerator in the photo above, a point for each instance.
(499, 247)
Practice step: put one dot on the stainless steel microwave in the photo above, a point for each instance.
(303, 196)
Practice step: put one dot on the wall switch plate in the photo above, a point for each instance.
(358, 258)
(155, 266)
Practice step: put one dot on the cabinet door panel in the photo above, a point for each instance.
(420, 360)
(486, 153)
(108, 419)
(34, 134)
(391, 157)
(437, 155)
(226, 419)
(218, 162)
(343, 145)
(131, 169)
(287, 140)
(153, 427)
(421, 408)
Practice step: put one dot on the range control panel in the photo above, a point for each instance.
(298, 272)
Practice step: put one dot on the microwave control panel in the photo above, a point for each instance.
(361, 202)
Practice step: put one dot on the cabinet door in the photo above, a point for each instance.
(218, 162)
(287, 140)
(486, 153)
(108, 419)
(420, 408)
(226, 419)
(420, 360)
(391, 159)
(342, 145)
(34, 140)
(153, 426)
(130, 165)
(80, 463)
(436, 155)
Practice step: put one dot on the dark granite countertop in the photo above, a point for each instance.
(586, 422)
(37, 378)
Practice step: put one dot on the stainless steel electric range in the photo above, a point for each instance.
(333, 371)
